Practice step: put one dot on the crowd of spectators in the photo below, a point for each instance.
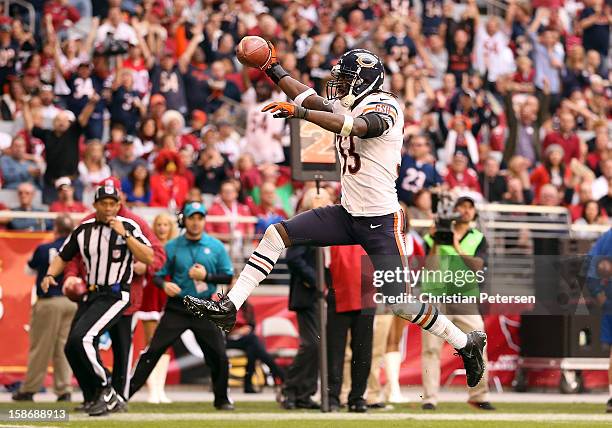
(499, 107)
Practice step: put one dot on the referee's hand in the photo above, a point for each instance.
(140, 268)
(117, 226)
(171, 289)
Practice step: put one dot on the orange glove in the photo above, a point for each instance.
(286, 110)
(272, 60)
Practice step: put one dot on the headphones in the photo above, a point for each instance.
(180, 215)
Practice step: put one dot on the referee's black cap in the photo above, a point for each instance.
(107, 190)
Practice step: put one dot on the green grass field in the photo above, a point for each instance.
(269, 415)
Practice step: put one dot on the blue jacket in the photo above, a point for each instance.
(15, 172)
(182, 254)
(601, 250)
(40, 263)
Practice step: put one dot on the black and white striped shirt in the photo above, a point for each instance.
(106, 255)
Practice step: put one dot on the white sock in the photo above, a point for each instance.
(610, 386)
(429, 318)
(258, 267)
(242, 289)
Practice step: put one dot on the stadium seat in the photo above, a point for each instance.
(234, 353)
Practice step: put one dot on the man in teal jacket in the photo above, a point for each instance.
(195, 264)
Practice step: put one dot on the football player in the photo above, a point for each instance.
(368, 124)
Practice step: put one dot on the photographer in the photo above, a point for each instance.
(453, 245)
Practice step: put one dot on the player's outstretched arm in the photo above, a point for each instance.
(301, 94)
(313, 101)
(365, 126)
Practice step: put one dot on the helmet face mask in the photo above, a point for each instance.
(341, 83)
(358, 73)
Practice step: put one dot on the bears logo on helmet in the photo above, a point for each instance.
(358, 73)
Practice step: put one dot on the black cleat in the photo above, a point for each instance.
(22, 396)
(377, 405)
(227, 406)
(108, 401)
(309, 404)
(428, 406)
(609, 406)
(288, 404)
(222, 313)
(64, 397)
(472, 356)
(482, 405)
(118, 405)
(358, 407)
(98, 407)
(83, 407)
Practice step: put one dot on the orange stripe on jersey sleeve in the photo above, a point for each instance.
(383, 108)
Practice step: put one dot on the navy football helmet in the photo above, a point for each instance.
(358, 73)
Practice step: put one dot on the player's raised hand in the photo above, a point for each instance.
(272, 58)
(286, 110)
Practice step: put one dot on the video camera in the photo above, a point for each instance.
(112, 47)
(445, 217)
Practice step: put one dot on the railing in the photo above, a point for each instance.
(510, 231)
(495, 7)
(493, 218)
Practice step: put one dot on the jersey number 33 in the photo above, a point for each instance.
(351, 160)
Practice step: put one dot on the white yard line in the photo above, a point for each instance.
(201, 395)
(514, 417)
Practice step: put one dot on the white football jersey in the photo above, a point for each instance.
(370, 167)
(262, 131)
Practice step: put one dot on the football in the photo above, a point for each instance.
(253, 51)
(75, 290)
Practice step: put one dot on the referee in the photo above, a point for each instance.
(195, 263)
(109, 245)
(121, 333)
